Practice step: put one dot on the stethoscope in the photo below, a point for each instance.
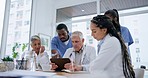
(72, 54)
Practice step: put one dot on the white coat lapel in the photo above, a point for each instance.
(73, 56)
(83, 54)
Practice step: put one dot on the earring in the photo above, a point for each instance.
(104, 31)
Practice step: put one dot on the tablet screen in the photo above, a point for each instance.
(60, 62)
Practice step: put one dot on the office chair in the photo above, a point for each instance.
(139, 73)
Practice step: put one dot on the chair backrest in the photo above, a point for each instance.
(139, 73)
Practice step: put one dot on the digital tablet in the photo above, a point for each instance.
(60, 62)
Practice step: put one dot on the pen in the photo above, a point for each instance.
(72, 65)
(72, 61)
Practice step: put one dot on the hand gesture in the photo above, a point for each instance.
(53, 66)
(42, 49)
(73, 67)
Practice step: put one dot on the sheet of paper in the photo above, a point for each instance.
(26, 73)
(75, 72)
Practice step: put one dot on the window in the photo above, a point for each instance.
(17, 33)
(12, 5)
(137, 24)
(20, 3)
(26, 22)
(18, 23)
(19, 15)
(27, 12)
(136, 41)
(82, 25)
(28, 2)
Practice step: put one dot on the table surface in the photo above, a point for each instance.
(41, 74)
(49, 74)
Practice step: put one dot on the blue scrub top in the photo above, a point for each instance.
(61, 47)
(126, 35)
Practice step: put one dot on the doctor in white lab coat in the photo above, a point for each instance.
(81, 55)
(113, 60)
(37, 55)
(88, 55)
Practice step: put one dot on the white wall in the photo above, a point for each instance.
(43, 16)
(2, 10)
(138, 29)
(5, 30)
(67, 3)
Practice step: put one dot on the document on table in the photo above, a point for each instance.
(75, 72)
(27, 73)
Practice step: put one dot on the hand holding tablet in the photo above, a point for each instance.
(60, 62)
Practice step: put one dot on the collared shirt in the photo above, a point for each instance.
(99, 44)
(78, 56)
(88, 55)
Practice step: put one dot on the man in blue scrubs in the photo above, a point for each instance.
(60, 43)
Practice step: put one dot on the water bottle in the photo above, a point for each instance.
(29, 56)
(33, 62)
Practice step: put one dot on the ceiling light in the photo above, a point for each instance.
(82, 10)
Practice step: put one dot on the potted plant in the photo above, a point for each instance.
(8, 58)
(8, 61)
(3, 67)
(17, 48)
(24, 46)
(15, 54)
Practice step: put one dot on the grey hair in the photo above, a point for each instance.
(34, 37)
(77, 33)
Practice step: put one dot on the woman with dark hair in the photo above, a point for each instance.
(113, 60)
(125, 33)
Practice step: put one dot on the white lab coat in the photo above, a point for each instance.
(108, 63)
(88, 55)
(42, 58)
